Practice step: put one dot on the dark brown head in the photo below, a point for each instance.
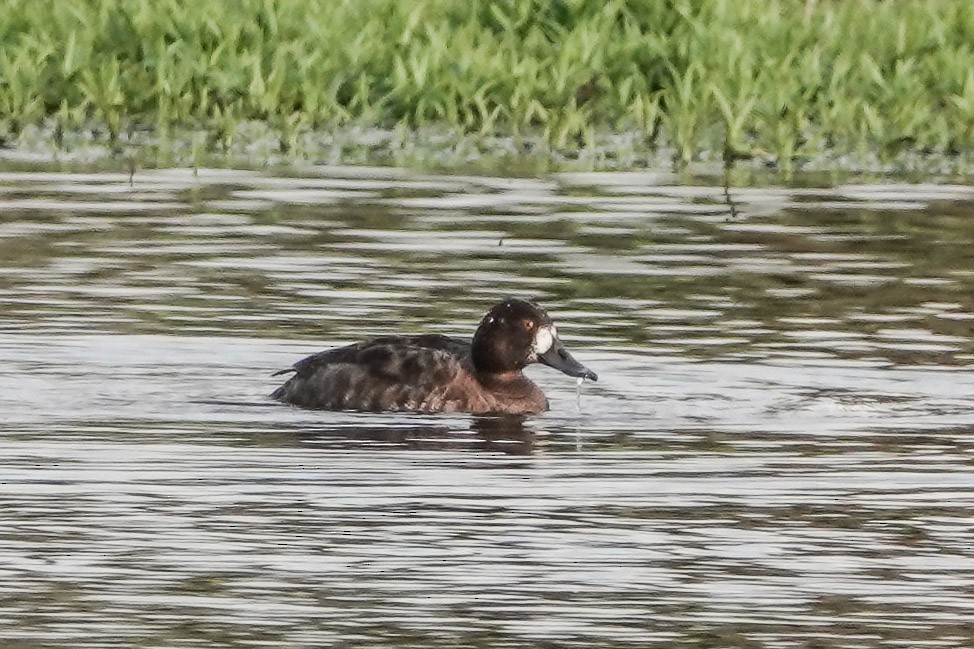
(516, 333)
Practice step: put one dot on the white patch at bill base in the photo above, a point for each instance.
(544, 339)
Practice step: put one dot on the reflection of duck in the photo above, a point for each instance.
(506, 434)
(434, 373)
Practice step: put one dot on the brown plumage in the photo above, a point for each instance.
(434, 373)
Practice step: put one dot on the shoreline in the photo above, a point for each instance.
(258, 145)
(625, 84)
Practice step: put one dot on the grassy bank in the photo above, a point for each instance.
(786, 79)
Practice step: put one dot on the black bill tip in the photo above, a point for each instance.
(559, 358)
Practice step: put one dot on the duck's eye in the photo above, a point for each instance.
(528, 325)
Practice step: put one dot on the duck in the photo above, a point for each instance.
(433, 373)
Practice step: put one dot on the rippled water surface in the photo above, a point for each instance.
(779, 451)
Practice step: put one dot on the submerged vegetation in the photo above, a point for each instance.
(784, 80)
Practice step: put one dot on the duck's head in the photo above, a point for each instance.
(516, 333)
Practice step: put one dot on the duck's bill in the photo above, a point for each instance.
(559, 358)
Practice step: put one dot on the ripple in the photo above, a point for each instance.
(777, 451)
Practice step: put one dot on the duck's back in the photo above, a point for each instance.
(429, 373)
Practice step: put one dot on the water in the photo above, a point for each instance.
(778, 452)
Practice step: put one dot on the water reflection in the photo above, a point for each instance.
(777, 453)
(510, 435)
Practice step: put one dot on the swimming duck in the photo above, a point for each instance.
(435, 373)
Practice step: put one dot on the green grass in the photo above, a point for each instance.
(788, 79)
